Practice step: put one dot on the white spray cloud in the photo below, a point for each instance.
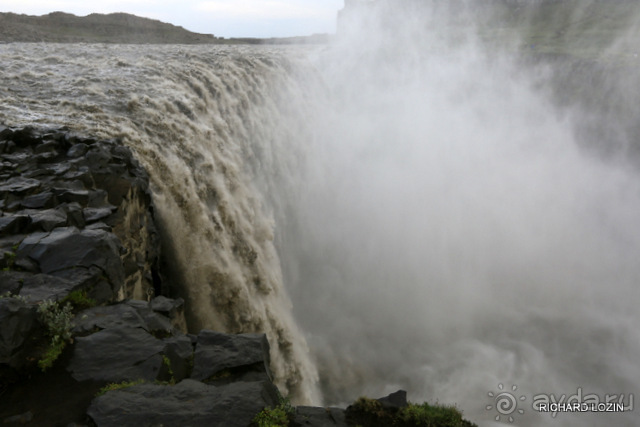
(451, 234)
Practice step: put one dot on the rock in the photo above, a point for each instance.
(16, 321)
(179, 351)
(38, 201)
(155, 323)
(187, 403)
(167, 306)
(97, 214)
(26, 137)
(115, 355)
(45, 219)
(216, 351)
(112, 316)
(173, 309)
(11, 282)
(74, 213)
(319, 417)
(40, 287)
(13, 224)
(64, 195)
(24, 418)
(92, 280)
(18, 185)
(77, 150)
(67, 247)
(395, 400)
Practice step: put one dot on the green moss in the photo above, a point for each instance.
(9, 261)
(51, 354)
(167, 362)
(220, 375)
(80, 300)
(118, 386)
(280, 416)
(370, 412)
(431, 415)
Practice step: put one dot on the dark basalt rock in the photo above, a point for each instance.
(68, 247)
(112, 316)
(41, 287)
(319, 417)
(189, 403)
(397, 400)
(18, 185)
(45, 219)
(117, 354)
(13, 224)
(243, 354)
(11, 282)
(16, 321)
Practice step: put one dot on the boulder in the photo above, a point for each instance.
(319, 417)
(154, 322)
(11, 282)
(44, 219)
(67, 247)
(117, 354)
(13, 224)
(16, 322)
(397, 400)
(105, 317)
(41, 287)
(188, 403)
(244, 353)
(179, 351)
(19, 185)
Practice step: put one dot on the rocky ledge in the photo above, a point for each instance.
(86, 338)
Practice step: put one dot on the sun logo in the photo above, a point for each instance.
(505, 402)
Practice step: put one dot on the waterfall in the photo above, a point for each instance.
(209, 124)
(411, 207)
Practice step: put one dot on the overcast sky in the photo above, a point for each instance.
(226, 18)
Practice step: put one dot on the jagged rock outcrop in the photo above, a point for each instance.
(77, 212)
(78, 273)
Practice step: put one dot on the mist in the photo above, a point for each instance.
(456, 223)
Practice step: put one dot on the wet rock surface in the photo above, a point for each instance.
(78, 209)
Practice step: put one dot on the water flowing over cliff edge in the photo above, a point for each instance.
(204, 122)
(432, 213)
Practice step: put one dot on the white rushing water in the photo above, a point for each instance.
(429, 212)
(207, 123)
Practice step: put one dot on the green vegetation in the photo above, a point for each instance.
(118, 386)
(80, 300)
(10, 259)
(14, 296)
(51, 354)
(280, 416)
(167, 362)
(370, 412)
(57, 320)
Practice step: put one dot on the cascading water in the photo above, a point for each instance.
(206, 123)
(426, 202)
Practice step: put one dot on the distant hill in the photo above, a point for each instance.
(60, 27)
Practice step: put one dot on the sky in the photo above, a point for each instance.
(223, 18)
